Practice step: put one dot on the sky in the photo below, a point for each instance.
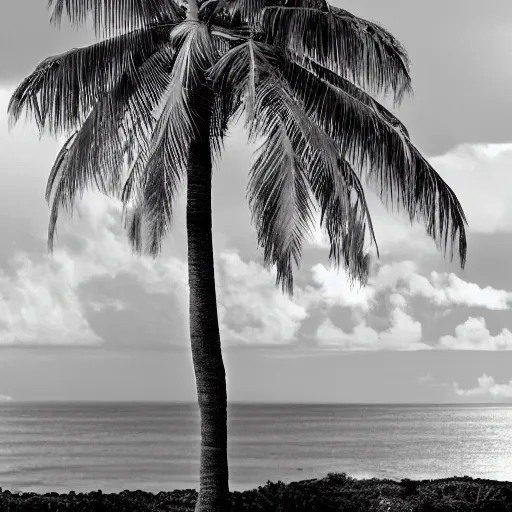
(95, 322)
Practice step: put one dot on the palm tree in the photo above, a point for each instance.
(148, 106)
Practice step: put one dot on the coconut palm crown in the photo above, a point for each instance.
(147, 109)
(304, 73)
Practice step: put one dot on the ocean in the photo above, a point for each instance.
(155, 446)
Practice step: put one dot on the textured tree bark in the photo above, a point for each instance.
(204, 330)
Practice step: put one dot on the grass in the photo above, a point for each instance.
(336, 492)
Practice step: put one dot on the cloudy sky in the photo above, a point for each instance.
(95, 322)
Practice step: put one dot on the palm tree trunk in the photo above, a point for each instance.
(204, 331)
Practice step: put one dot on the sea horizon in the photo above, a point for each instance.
(250, 402)
(154, 446)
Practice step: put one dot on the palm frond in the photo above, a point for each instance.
(435, 205)
(301, 149)
(379, 147)
(346, 218)
(338, 81)
(247, 12)
(134, 220)
(222, 42)
(354, 48)
(117, 127)
(226, 110)
(344, 212)
(236, 72)
(116, 16)
(355, 257)
(336, 187)
(234, 77)
(278, 190)
(158, 172)
(63, 89)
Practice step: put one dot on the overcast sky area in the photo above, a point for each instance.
(95, 322)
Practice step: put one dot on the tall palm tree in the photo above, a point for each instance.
(147, 109)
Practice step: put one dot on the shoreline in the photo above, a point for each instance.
(336, 491)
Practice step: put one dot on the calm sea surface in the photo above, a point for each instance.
(154, 447)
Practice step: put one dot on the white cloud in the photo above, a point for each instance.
(396, 283)
(450, 289)
(334, 288)
(402, 280)
(106, 251)
(40, 302)
(442, 289)
(404, 333)
(251, 309)
(487, 386)
(39, 305)
(490, 150)
(398, 301)
(480, 175)
(5, 398)
(473, 335)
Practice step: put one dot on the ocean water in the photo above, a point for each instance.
(155, 446)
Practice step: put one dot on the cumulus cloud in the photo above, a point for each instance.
(441, 289)
(487, 386)
(396, 283)
(5, 398)
(397, 300)
(40, 301)
(251, 309)
(473, 335)
(404, 333)
(333, 288)
(402, 280)
(480, 174)
(38, 304)
(104, 250)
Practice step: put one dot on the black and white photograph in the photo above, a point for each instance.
(255, 255)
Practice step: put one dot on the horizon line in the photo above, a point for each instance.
(253, 402)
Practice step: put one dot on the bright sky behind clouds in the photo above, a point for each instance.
(95, 321)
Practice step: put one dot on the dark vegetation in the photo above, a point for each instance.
(335, 492)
